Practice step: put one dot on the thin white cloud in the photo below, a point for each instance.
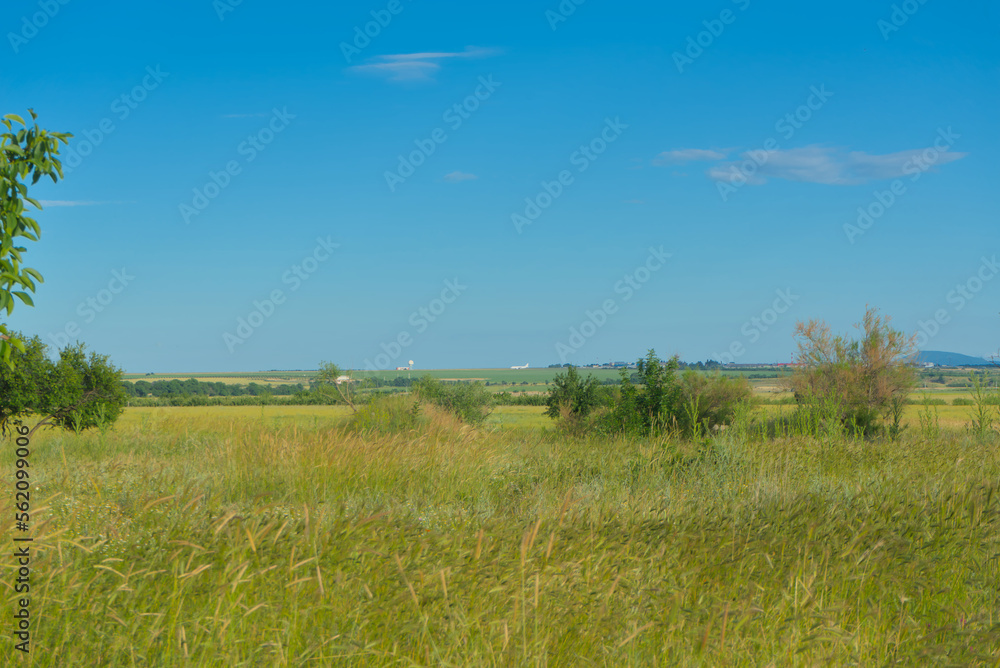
(470, 52)
(687, 155)
(457, 177)
(831, 166)
(421, 66)
(402, 71)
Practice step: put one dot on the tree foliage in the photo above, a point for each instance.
(650, 407)
(333, 382)
(857, 383)
(710, 401)
(25, 152)
(472, 403)
(651, 402)
(572, 394)
(78, 391)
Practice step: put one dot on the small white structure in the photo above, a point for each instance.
(520, 367)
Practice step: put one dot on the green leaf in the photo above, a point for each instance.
(24, 297)
(15, 117)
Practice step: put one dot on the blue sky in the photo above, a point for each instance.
(527, 182)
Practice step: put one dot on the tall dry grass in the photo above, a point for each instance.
(210, 539)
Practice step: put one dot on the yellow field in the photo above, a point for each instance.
(953, 417)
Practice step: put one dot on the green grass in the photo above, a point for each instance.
(278, 537)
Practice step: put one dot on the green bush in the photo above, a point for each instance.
(572, 395)
(962, 401)
(508, 399)
(710, 401)
(649, 408)
(78, 391)
(928, 401)
(469, 402)
(386, 414)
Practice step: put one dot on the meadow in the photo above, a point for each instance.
(280, 536)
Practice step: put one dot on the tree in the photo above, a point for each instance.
(856, 382)
(32, 152)
(656, 407)
(332, 382)
(76, 392)
(573, 394)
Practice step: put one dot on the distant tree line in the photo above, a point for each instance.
(709, 365)
(192, 387)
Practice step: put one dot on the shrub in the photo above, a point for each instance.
(572, 395)
(928, 401)
(469, 402)
(508, 399)
(651, 410)
(853, 384)
(386, 414)
(710, 401)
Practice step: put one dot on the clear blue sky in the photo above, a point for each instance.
(736, 139)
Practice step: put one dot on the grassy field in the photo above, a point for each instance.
(276, 536)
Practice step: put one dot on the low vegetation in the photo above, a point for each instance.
(215, 538)
(659, 402)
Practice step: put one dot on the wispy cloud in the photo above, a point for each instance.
(456, 177)
(687, 155)
(420, 66)
(821, 164)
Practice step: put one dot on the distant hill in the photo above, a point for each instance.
(939, 358)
